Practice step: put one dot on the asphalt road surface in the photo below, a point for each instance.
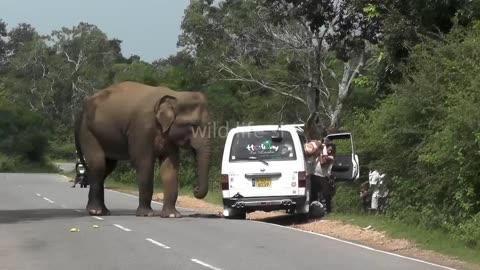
(37, 212)
(65, 166)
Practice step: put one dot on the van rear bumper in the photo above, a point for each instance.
(264, 203)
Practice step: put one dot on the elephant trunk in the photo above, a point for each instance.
(203, 153)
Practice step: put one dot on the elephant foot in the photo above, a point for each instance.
(170, 213)
(145, 212)
(98, 210)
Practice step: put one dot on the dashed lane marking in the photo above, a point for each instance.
(122, 228)
(157, 243)
(48, 200)
(205, 264)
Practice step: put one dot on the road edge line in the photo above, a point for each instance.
(359, 245)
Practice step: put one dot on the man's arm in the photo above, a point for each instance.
(312, 148)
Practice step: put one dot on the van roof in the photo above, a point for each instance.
(290, 127)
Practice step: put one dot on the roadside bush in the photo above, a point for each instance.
(7, 164)
(65, 151)
(426, 135)
(22, 132)
(469, 231)
(347, 199)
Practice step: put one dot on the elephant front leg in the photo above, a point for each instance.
(145, 187)
(168, 172)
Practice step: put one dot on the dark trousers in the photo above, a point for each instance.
(322, 191)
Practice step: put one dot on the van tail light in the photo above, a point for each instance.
(224, 182)
(302, 179)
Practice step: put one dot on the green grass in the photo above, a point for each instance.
(424, 238)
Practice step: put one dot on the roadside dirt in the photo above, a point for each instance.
(365, 236)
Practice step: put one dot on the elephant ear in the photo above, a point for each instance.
(165, 112)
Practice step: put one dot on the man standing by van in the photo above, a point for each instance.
(321, 179)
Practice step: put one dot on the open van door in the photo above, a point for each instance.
(346, 166)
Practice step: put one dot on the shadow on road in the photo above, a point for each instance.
(200, 215)
(31, 215)
(284, 220)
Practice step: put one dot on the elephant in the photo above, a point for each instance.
(131, 121)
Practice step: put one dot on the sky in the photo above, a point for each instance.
(148, 28)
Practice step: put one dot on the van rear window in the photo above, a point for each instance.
(261, 145)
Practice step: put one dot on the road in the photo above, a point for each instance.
(37, 212)
(65, 166)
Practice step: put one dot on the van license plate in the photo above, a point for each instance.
(264, 182)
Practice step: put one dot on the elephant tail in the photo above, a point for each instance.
(78, 126)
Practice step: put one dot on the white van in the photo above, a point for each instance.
(265, 168)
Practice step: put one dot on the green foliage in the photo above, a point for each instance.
(469, 231)
(347, 199)
(62, 150)
(7, 164)
(69, 65)
(137, 71)
(426, 135)
(22, 132)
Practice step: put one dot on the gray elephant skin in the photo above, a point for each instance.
(143, 124)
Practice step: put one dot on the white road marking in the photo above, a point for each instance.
(48, 200)
(122, 228)
(358, 245)
(157, 243)
(38, 194)
(204, 264)
(99, 218)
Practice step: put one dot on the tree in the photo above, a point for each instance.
(3, 45)
(138, 71)
(22, 133)
(55, 79)
(19, 36)
(278, 48)
(426, 135)
(405, 22)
